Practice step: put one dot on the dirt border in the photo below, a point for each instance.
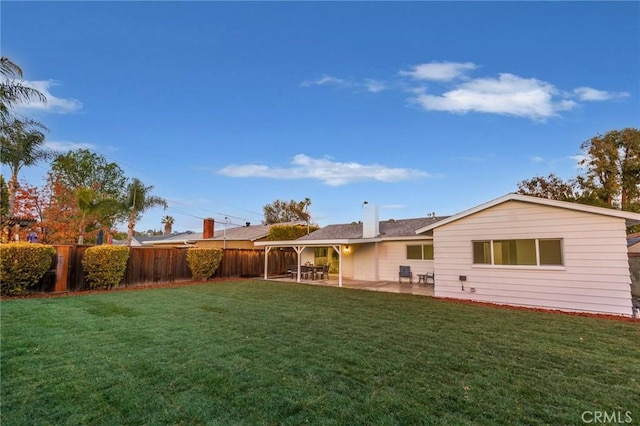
(542, 310)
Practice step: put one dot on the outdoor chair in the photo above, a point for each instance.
(321, 272)
(305, 271)
(425, 278)
(405, 272)
(293, 271)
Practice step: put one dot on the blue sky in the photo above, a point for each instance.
(416, 107)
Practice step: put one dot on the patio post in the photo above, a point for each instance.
(267, 249)
(339, 250)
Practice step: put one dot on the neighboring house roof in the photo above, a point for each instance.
(632, 241)
(242, 233)
(630, 217)
(176, 238)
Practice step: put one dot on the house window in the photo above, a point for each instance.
(321, 252)
(525, 252)
(482, 252)
(550, 252)
(421, 252)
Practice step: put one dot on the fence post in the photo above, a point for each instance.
(62, 268)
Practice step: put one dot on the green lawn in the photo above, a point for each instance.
(253, 352)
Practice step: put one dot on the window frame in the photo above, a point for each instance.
(492, 261)
(422, 246)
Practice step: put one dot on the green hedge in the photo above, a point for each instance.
(23, 265)
(290, 232)
(104, 266)
(203, 262)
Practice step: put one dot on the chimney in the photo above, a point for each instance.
(207, 230)
(370, 224)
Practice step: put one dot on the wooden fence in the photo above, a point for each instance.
(147, 265)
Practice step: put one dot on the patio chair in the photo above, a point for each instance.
(293, 271)
(322, 272)
(425, 278)
(305, 271)
(405, 272)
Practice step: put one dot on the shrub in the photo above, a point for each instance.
(105, 265)
(203, 262)
(23, 265)
(289, 232)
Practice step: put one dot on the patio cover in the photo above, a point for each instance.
(299, 247)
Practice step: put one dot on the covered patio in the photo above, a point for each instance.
(338, 245)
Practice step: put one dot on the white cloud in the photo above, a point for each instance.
(579, 159)
(326, 170)
(64, 146)
(53, 104)
(508, 95)
(590, 94)
(325, 80)
(374, 86)
(537, 159)
(368, 84)
(439, 71)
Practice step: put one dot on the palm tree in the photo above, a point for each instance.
(12, 89)
(138, 200)
(167, 221)
(21, 145)
(95, 209)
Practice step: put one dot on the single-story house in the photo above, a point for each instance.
(516, 250)
(239, 237)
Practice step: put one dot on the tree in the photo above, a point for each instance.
(84, 169)
(138, 200)
(4, 198)
(291, 211)
(551, 187)
(94, 209)
(167, 221)
(92, 187)
(611, 179)
(53, 207)
(612, 165)
(13, 90)
(21, 144)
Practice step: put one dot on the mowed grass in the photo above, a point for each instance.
(253, 352)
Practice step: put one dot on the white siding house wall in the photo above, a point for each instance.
(392, 254)
(364, 262)
(595, 276)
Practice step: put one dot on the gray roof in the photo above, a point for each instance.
(162, 238)
(632, 241)
(242, 233)
(388, 229)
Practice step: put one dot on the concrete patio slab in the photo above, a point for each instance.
(385, 286)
